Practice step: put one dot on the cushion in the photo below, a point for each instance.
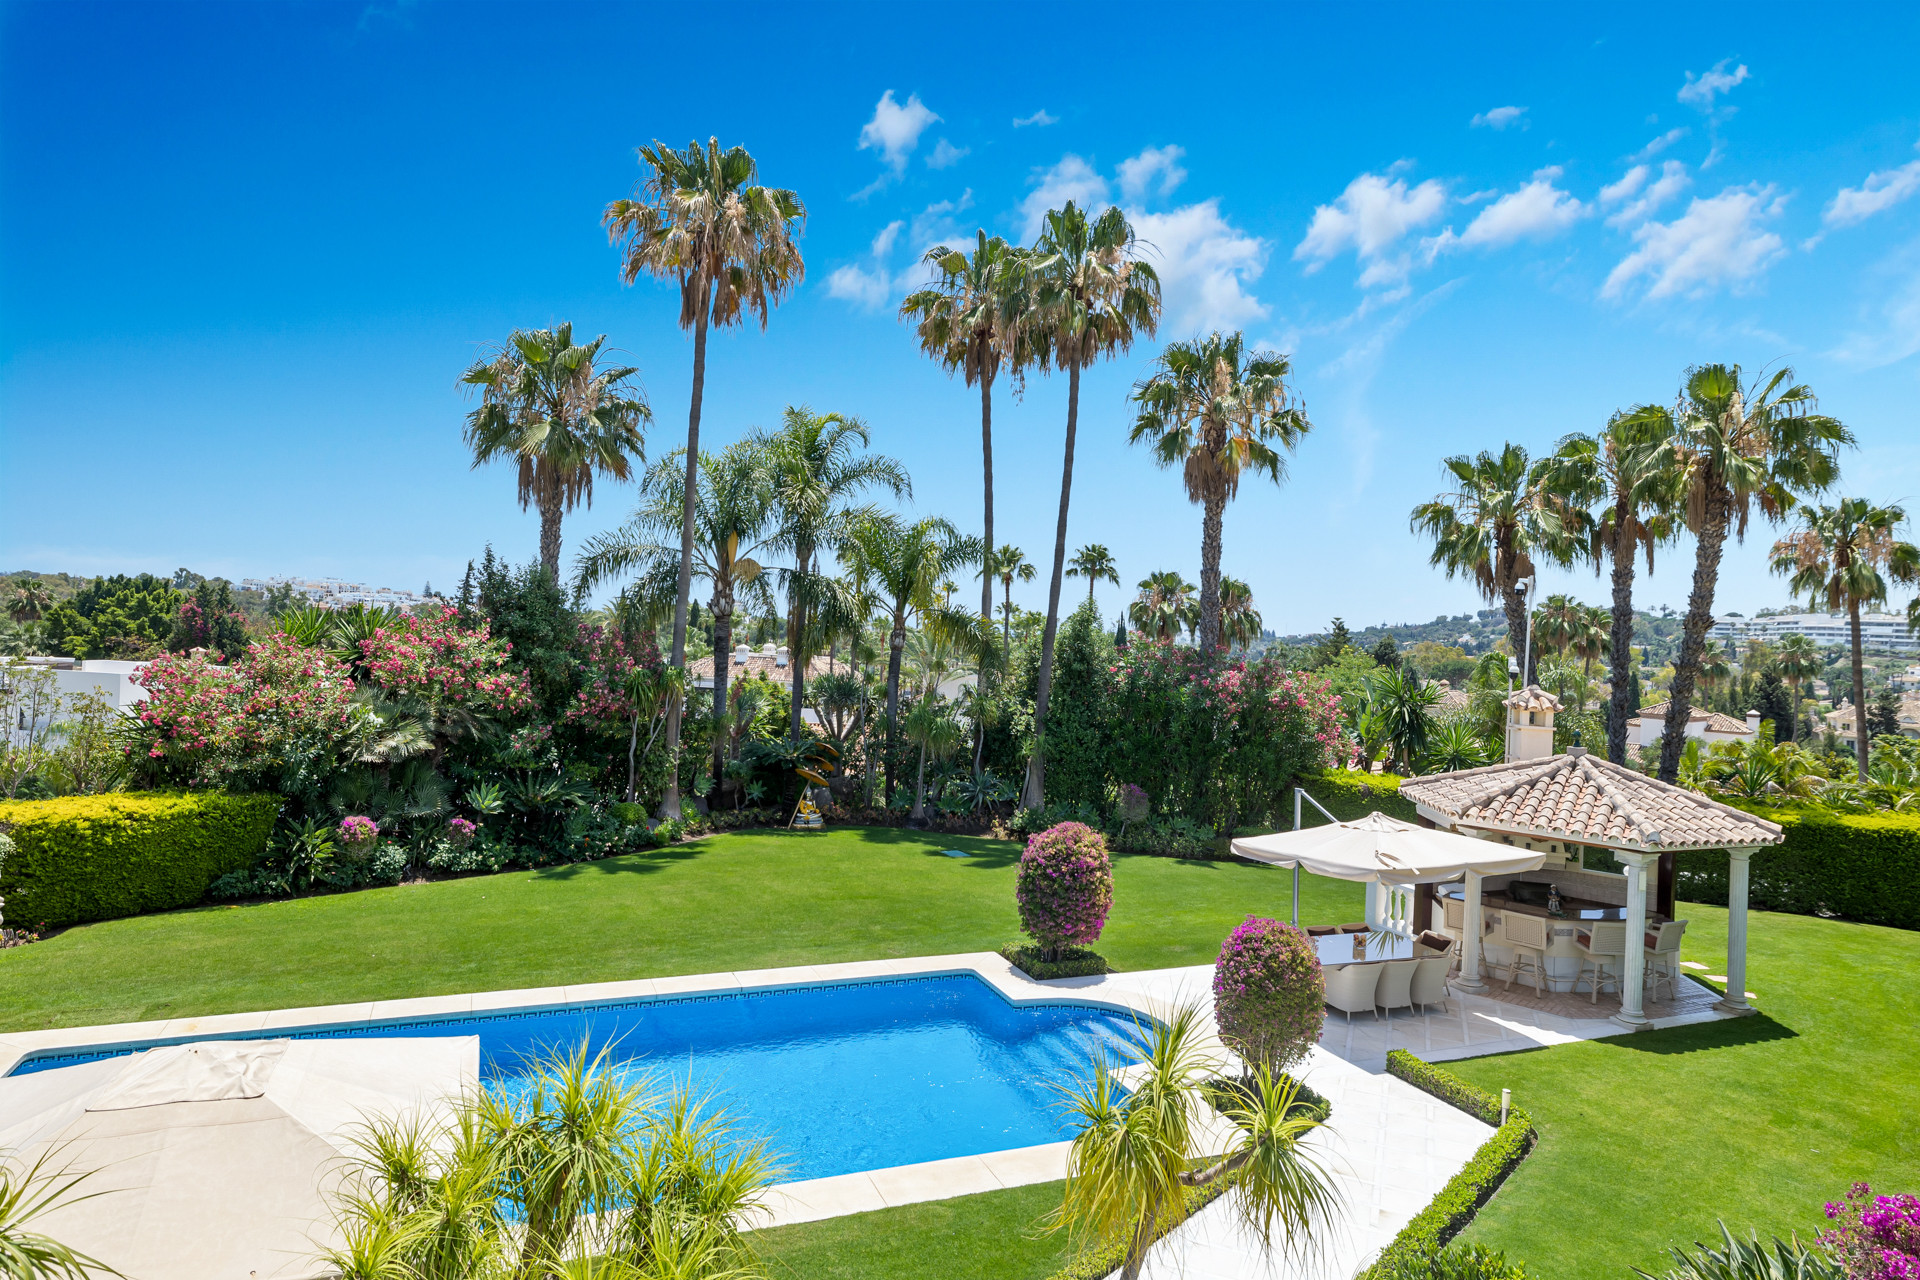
(1321, 930)
(1353, 928)
(1438, 941)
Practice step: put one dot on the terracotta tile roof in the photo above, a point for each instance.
(758, 664)
(1715, 721)
(1533, 698)
(1588, 800)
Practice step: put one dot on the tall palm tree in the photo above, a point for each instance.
(1217, 410)
(1165, 606)
(1491, 527)
(549, 406)
(1799, 661)
(1239, 620)
(1620, 495)
(28, 599)
(700, 220)
(970, 320)
(733, 517)
(817, 468)
(1136, 1154)
(1593, 638)
(1715, 669)
(1096, 564)
(1558, 621)
(901, 564)
(1841, 558)
(1091, 297)
(1734, 448)
(1006, 564)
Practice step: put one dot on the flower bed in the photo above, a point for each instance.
(1070, 962)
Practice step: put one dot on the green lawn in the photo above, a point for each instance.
(746, 900)
(986, 1237)
(1647, 1139)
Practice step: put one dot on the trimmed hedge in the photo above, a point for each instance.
(82, 858)
(1449, 1213)
(1863, 867)
(1074, 962)
(1350, 794)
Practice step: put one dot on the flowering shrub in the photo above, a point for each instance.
(460, 832)
(441, 662)
(358, 832)
(281, 718)
(1878, 1237)
(1065, 886)
(607, 658)
(1268, 993)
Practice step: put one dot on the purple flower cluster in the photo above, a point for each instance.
(1065, 888)
(358, 831)
(460, 831)
(1268, 993)
(1878, 1237)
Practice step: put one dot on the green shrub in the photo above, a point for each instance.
(1350, 794)
(101, 857)
(1072, 962)
(1861, 866)
(1419, 1249)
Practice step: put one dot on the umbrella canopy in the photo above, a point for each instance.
(1388, 850)
(217, 1158)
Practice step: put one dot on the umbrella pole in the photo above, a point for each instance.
(1296, 866)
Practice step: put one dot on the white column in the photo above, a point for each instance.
(1473, 926)
(1375, 916)
(1735, 1000)
(1633, 982)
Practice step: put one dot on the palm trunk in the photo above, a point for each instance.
(670, 796)
(1620, 697)
(722, 668)
(796, 658)
(1036, 788)
(866, 748)
(1859, 689)
(1006, 625)
(896, 644)
(550, 536)
(1514, 603)
(633, 764)
(1210, 574)
(1712, 539)
(986, 462)
(920, 790)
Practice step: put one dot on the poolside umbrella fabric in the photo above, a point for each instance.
(216, 1158)
(1387, 850)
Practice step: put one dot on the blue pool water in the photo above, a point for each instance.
(838, 1078)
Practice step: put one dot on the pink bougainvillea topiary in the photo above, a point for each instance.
(1065, 887)
(1268, 993)
(1878, 1237)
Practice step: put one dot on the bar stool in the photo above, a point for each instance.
(1605, 942)
(1526, 936)
(1663, 958)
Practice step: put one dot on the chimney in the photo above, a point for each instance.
(780, 656)
(1753, 724)
(740, 652)
(1530, 723)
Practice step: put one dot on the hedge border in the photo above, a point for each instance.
(1350, 794)
(1449, 1212)
(1074, 962)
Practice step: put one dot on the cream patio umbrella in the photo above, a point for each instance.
(216, 1159)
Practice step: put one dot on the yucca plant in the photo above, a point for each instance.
(1736, 1259)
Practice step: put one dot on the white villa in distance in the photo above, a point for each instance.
(1877, 630)
(1710, 727)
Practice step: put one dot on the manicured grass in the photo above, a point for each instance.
(1647, 1139)
(746, 900)
(983, 1237)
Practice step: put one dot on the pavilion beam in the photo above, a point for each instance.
(1738, 869)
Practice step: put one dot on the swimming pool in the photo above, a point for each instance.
(839, 1078)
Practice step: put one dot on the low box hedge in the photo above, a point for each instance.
(81, 858)
(1074, 962)
(1450, 1211)
(1350, 794)
(1860, 866)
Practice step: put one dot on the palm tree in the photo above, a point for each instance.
(1217, 410)
(1733, 448)
(1557, 622)
(1799, 660)
(1165, 606)
(733, 516)
(970, 320)
(933, 729)
(1096, 564)
(1239, 621)
(1006, 564)
(1136, 1154)
(1620, 495)
(547, 405)
(901, 564)
(816, 468)
(699, 219)
(1491, 527)
(1091, 297)
(28, 599)
(1841, 558)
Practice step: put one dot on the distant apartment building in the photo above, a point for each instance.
(332, 593)
(1877, 630)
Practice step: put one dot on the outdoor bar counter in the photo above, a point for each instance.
(1563, 943)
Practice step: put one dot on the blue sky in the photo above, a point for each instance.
(247, 249)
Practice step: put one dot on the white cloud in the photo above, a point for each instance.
(1138, 173)
(1039, 118)
(895, 130)
(1536, 211)
(945, 155)
(1638, 201)
(1500, 118)
(935, 225)
(1898, 336)
(1071, 179)
(1718, 241)
(1659, 144)
(868, 287)
(1205, 266)
(1699, 91)
(883, 243)
(1370, 217)
(1882, 190)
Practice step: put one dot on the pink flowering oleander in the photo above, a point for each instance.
(358, 830)
(460, 830)
(436, 659)
(1065, 886)
(1268, 993)
(1878, 1237)
(609, 658)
